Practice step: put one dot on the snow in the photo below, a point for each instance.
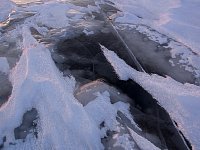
(97, 111)
(123, 141)
(181, 101)
(48, 14)
(101, 110)
(4, 66)
(42, 87)
(184, 24)
(54, 14)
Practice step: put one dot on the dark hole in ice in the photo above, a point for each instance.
(29, 125)
(83, 58)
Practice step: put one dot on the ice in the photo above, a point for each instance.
(166, 15)
(6, 7)
(181, 101)
(142, 143)
(101, 110)
(61, 118)
(63, 122)
(177, 20)
(123, 141)
(54, 14)
(48, 14)
(4, 66)
(25, 1)
(85, 93)
(185, 30)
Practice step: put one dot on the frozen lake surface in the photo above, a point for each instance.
(86, 74)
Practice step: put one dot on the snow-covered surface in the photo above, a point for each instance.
(47, 14)
(182, 101)
(122, 141)
(64, 123)
(97, 108)
(52, 96)
(4, 66)
(53, 15)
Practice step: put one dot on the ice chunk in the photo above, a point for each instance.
(86, 92)
(141, 142)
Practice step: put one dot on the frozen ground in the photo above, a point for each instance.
(66, 118)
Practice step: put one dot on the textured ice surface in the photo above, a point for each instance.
(168, 18)
(85, 93)
(62, 118)
(182, 101)
(6, 7)
(142, 143)
(63, 123)
(4, 66)
(166, 15)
